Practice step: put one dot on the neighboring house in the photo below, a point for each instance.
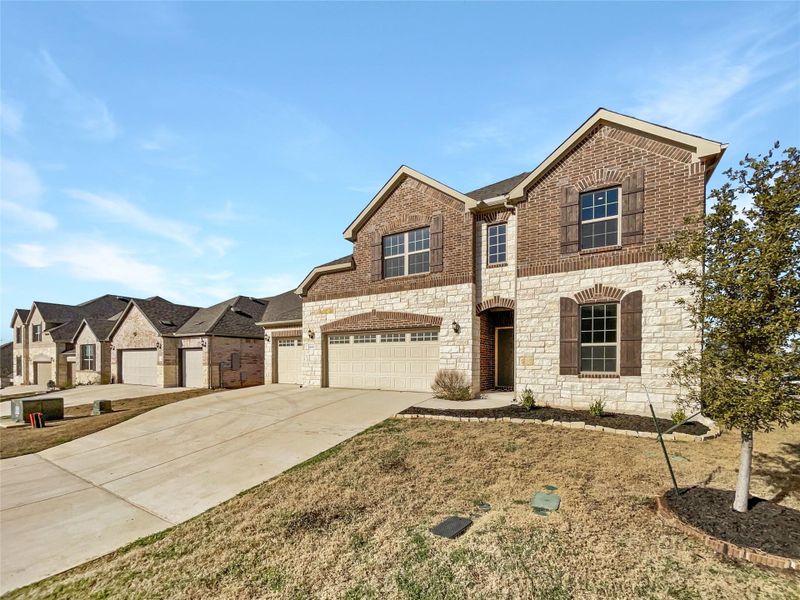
(549, 280)
(283, 338)
(43, 338)
(6, 363)
(156, 342)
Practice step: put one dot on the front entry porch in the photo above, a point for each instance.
(497, 348)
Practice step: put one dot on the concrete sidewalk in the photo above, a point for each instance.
(80, 500)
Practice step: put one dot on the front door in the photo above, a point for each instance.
(504, 357)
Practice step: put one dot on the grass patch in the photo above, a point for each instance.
(353, 522)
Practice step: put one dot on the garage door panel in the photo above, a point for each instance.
(43, 372)
(391, 362)
(192, 367)
(139, 367)
(289, 360)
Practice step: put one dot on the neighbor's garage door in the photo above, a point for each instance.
(192, 362)
(383, 360)
(43, 372)
(139, 366)
(290, 359)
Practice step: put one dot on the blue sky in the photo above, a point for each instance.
(198, 151)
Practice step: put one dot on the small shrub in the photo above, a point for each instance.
(451, 385)
(678, 416)
(597, 408)
(51, 385)
(527, 400)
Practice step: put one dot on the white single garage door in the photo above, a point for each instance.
(289, 360)
(42, 372)
(405, 361)
(139, 366)
(192, 365)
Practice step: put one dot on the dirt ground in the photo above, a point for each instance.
(78, 422)
(353, 523)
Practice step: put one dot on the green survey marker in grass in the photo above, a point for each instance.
(543, 503)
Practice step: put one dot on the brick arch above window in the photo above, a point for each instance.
(599, 293)
(600, 178)
(496, 302)
(403, 222)
(376, 320)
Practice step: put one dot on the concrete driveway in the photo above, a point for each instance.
(87, 394)
(80, 500)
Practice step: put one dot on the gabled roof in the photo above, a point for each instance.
(101, 328)
(104, 306)
(165, 317)
(283, 308)
(701, 148)
(56, 313)
(23, 315)
(340, 264)
(499, 188)
(400, 175)
(64, 332)
(235, 317)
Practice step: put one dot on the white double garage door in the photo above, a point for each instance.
(140, 367)
(383, 360)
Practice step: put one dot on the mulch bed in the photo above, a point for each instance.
(767, 526)
(545, 413)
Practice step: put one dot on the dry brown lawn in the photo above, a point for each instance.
(353, 523)
(78, 422)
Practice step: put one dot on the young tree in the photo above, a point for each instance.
(742, 269)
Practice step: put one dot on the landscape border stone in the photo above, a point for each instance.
(721, 546)
(713, 431)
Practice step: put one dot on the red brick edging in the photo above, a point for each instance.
(670, 437)
(725, 548)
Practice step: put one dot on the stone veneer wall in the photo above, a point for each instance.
(451, 303)
(495, 280)
(20, 349)
(665, 331)
(270, 347)
(102, 372)
(137, 332)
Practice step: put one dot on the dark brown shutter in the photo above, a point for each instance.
(376, 271)
(568, 360)
(633, 208)
(630, 344)
(569, 220)
(437, 244)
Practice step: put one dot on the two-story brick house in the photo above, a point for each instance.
(549, 280)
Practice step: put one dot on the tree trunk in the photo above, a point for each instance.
(742, 498)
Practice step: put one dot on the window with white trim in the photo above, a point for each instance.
(496, 240)
(369, 338)
(285, 343)
(407, 253)
(37, 333)
(393, 337)
(87, 357)
(425, 336)
(599, 338)
(338, 339)
(600, 218)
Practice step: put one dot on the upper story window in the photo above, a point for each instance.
(87, 357)
(496, 239)
(600, 218)
(37, 333)
(19, 335)
(599, 338)
(407, 253)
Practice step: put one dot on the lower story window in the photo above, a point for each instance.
(87, 357)
(599, 338)
(19, 365)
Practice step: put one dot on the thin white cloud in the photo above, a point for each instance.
(89, 112)
(226, 214)
(161, 138)
(219, 244)
(120, 210)
(20, 196)
(80, 260)
(11, 119)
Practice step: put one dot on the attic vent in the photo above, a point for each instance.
(257, 301)
(123, 299)
(167, 322)
(240, 312)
